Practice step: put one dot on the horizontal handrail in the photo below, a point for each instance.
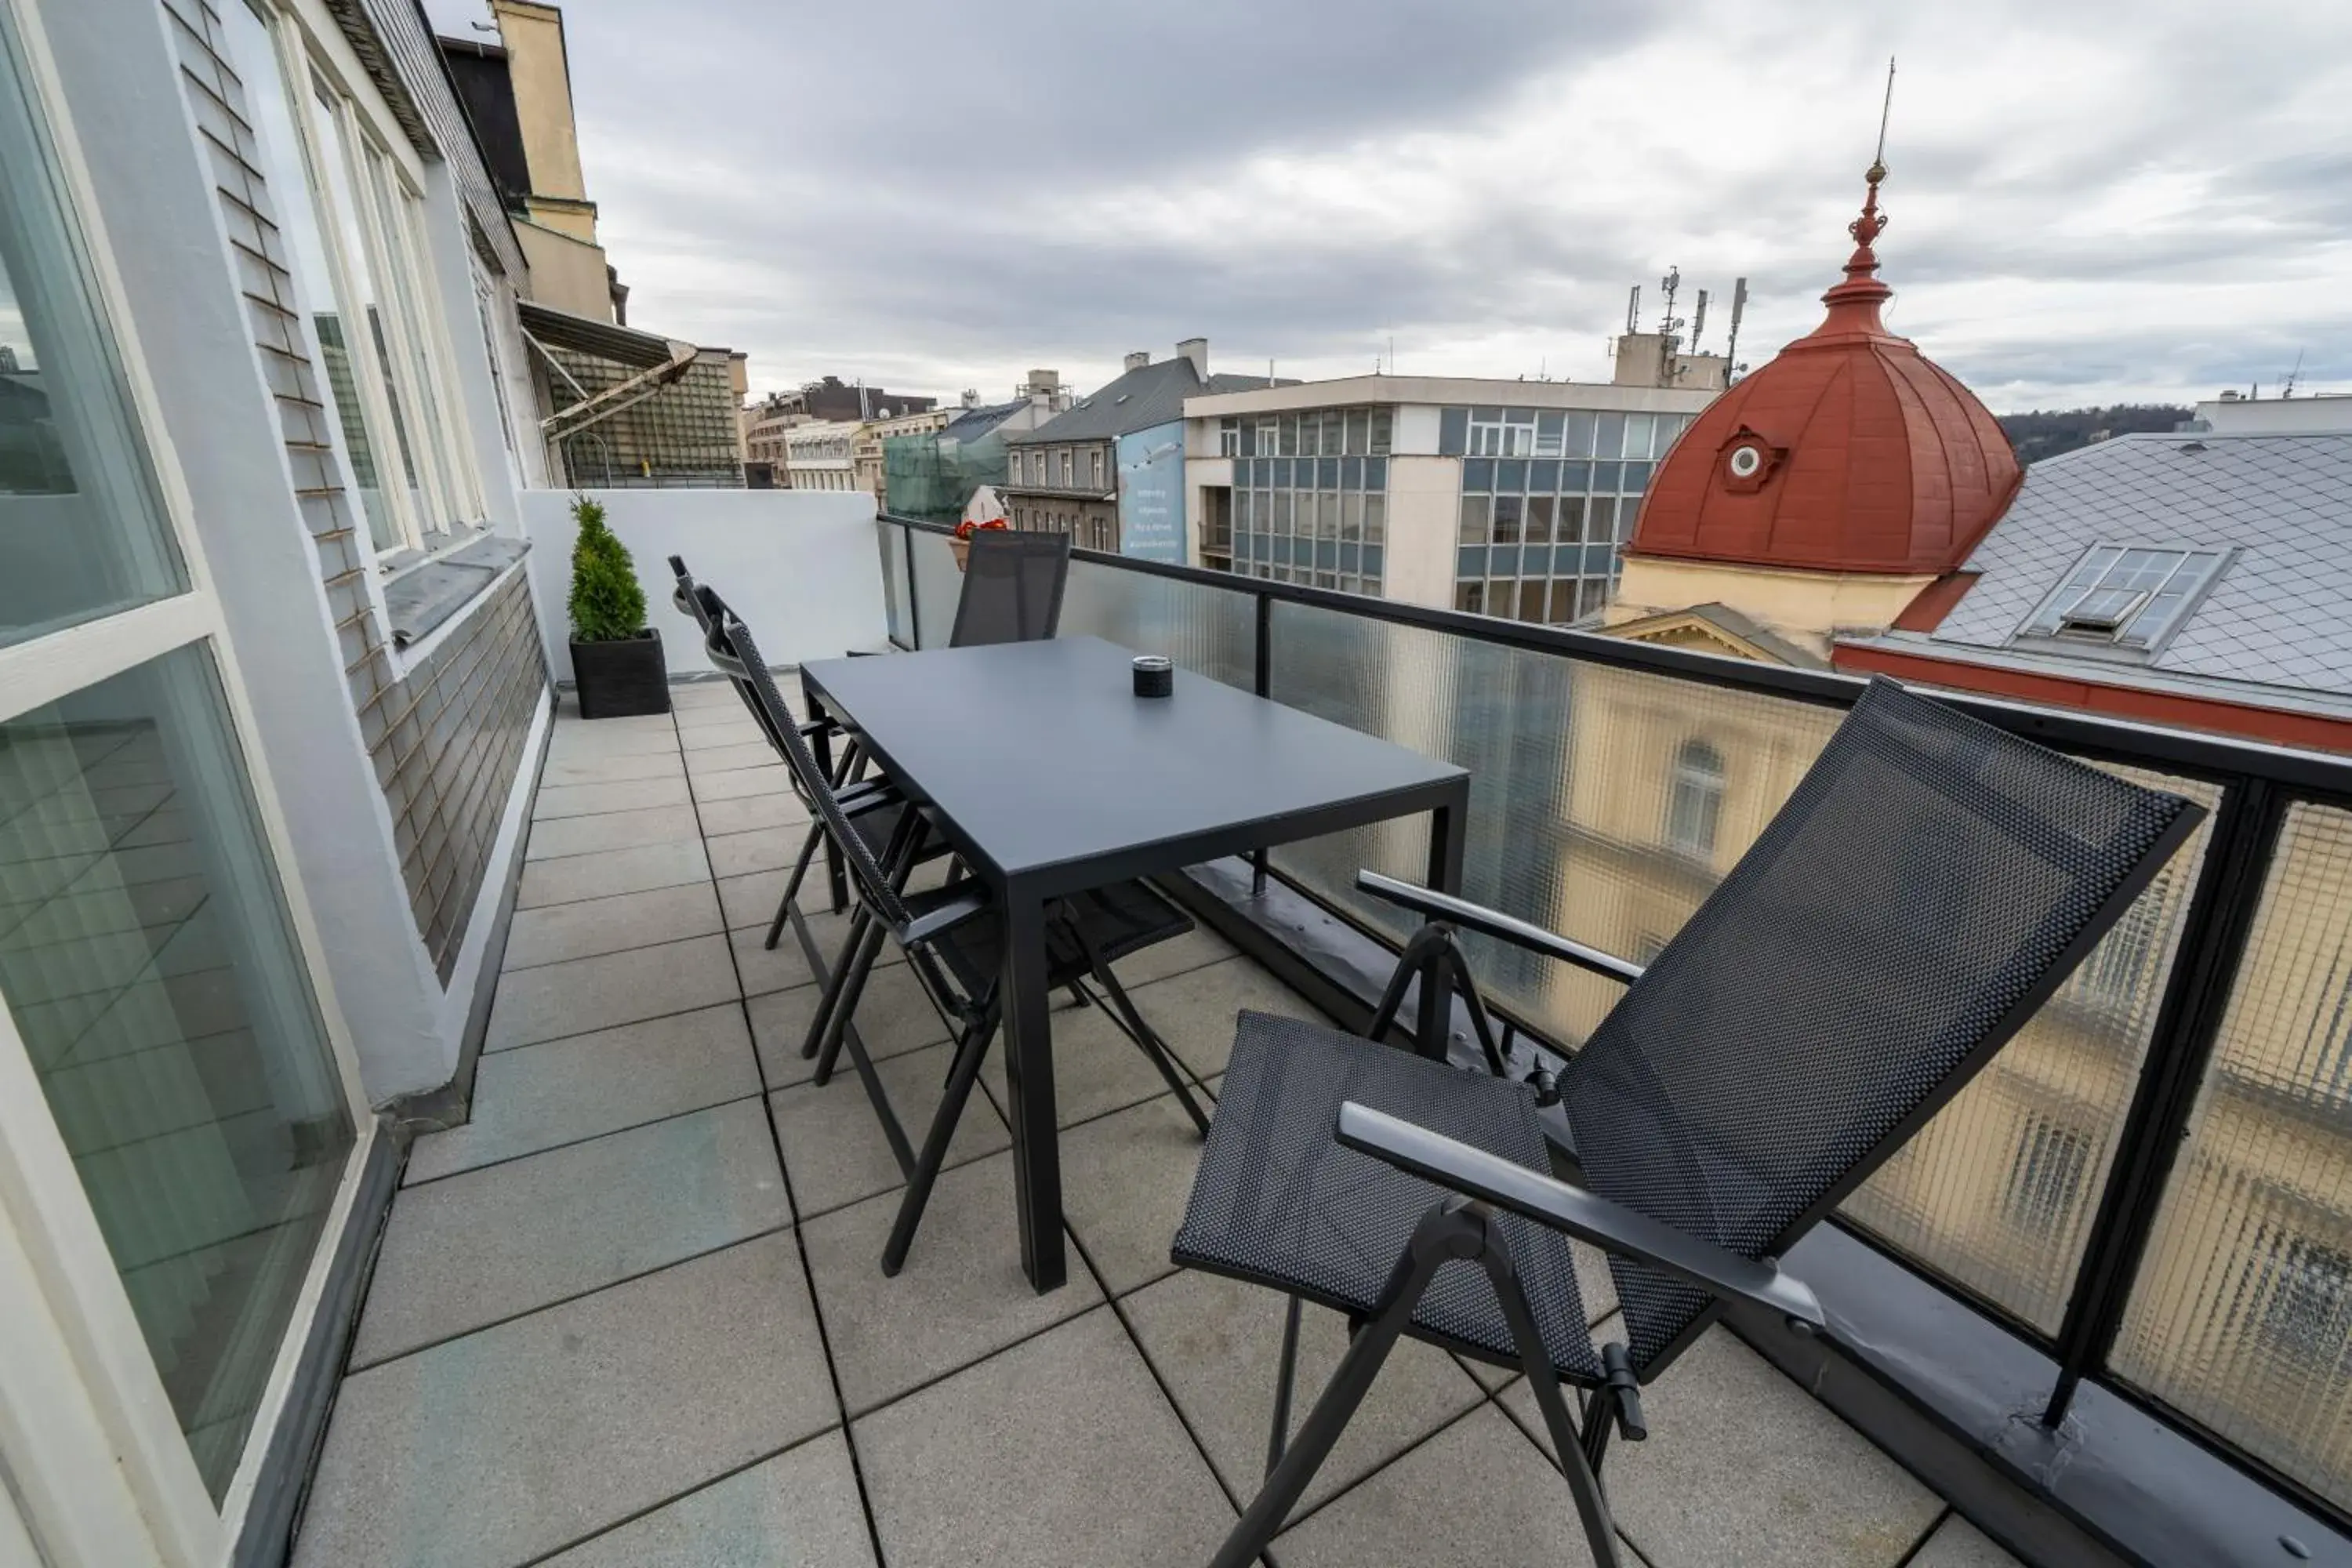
(2210, 756)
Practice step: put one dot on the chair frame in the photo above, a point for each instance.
(1483, 1185)
(973, 1016)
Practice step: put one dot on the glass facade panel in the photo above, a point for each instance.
(146, 958)
(82, 528)
(1476, 510)
(2242, 1315)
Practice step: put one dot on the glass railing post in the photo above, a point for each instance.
(2213, 941)
(1265, 687)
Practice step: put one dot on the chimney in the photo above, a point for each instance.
(1139, 359)
(1197, 351)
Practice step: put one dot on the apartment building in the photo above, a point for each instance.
(1110, 472)
(1506, 498)
(821, 455)
(865, 448)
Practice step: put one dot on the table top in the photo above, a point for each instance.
(1041, 759)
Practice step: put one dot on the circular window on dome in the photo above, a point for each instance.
(1746, 462)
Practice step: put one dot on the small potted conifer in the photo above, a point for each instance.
(615, 658)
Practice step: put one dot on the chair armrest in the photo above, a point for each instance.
(1494, 923)
(946, 915)
(1475, 1173)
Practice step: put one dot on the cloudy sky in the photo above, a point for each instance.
(2091, 202)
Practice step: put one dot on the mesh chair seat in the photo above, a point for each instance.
(1278, 1202)
(1115, 921)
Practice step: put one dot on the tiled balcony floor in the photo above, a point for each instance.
(633, 1314)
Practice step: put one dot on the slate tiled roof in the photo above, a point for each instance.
(2280, 614)
(1138, 400)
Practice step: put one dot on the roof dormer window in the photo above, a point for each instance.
(2124, 596)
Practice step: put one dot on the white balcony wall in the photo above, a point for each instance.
(801, 567)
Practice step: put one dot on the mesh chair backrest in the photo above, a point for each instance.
(1931, 880)
(1012, 588)
(734, 650)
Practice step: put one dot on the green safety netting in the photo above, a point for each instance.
(932, 478)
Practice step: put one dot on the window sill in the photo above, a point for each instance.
(426, 593)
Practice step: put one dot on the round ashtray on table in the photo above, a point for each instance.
(1155, 676)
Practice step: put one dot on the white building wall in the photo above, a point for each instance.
(804, 568)
(1425, 512)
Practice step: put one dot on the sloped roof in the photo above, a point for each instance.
(2279, 616)
(973, 423)
(1141, 398)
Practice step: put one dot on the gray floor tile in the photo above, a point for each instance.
(1217, 1343)
(962, 1295)
(1195, 1011)
(1058, 1451)
(560, 1091)
(1200, 948)
(557, 802)
(575, 878)
(487, 1245)
(687, 697)
(1097, 1069)
(513, 1442)
(799, 1510)
(1957, 1543)
(1475, 1495)
(740, 781)
(760, 849)
(596, 742)
(611, 830)
(739, 732)
(568, 773)
(1125, 1178)
(755, 754)
(1742, 1466)
(895, 1016)
(750, 901)
(554, 932)
(754, 812)
(611, 988)
(833, 1146)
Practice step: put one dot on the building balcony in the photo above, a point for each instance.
(627, 1310)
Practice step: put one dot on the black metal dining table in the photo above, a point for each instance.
(1049, 776)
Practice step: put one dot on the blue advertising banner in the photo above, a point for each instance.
(1151, 494)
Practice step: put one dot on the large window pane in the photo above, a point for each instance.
(82, 531)
(147, 961)
(2242, 1316)
(360, 329)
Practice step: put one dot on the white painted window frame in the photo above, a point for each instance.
(89, 1444)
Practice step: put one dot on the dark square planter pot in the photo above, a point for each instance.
(621, 680)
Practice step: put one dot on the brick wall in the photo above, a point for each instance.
(447, 738)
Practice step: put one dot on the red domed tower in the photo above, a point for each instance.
(1852, 453)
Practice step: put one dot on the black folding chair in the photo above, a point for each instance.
(1928, 885)
(1012, 585)
(953, 938)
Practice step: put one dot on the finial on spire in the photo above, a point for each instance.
(1853, 304)
(1873, 223)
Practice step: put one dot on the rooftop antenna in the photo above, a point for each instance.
(1738, 309)
(1670, 324)
(1634, 309)
(1698, 320)
(2288, 390)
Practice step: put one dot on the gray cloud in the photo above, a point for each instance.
(2090, 202)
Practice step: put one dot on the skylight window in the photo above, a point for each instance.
(2124, 596)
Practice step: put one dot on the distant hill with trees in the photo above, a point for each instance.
(2045, 433)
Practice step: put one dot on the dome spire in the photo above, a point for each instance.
(1853, 304)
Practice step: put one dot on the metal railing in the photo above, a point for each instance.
(2152, 1184)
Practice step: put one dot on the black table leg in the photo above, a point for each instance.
(1029, 1081)
(1436, 1010)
